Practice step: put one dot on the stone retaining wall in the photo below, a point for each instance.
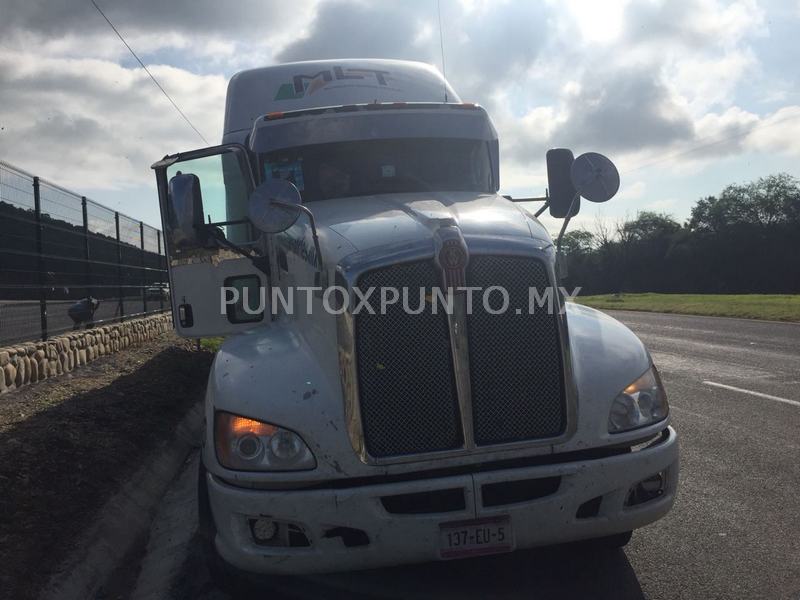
(27, 363)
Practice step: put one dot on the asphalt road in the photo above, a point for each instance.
(734, 531)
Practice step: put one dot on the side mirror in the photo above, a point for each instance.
(274, 206)
(595, 177)
(591, 175)
(561, 190)
(186, 212)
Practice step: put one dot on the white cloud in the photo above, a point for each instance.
(631, 191)
(641, 81)
(96, 123)
(779, 132)
(598, 21)
(706, 82)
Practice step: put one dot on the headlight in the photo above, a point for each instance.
(249, 445)
(643, 402)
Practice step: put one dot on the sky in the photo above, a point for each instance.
(685, 96)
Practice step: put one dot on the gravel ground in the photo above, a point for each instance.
(67, 444)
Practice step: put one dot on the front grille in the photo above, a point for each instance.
(515, 359)
(405, 370)
(407, 390)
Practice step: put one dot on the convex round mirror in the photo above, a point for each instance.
(595, 177)
(274, 206)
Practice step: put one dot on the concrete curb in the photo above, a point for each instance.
(126, 517)
(173, 531)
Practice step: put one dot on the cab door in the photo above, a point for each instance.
(211, 247)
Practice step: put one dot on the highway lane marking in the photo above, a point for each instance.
(707, 417)
(751, 392)
(745, 431)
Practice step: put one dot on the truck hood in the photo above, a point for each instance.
(295, 387)
(366, 222)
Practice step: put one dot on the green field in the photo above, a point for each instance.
(773, 307)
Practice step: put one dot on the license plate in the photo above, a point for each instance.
(479, 537)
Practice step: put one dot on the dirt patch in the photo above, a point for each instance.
(67, 444)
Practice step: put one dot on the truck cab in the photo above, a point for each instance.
(403, 378)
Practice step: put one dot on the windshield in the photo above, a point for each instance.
(367, 167)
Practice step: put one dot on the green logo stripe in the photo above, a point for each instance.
(286, 92)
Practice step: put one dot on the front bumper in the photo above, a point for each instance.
(408, 538)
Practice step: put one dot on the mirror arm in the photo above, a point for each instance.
(223, 223)
(537, 199)
(313, 222)
(545, 206)
(561, 234)
(561, 267)
(566, 221)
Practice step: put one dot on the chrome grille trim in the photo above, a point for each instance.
(459, 348)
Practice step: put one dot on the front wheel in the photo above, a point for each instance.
(223, 576)
(610, 542)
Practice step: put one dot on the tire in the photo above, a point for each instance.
(205, 526)
(610, 542)
(225, 577)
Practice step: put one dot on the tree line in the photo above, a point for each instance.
(744, 240)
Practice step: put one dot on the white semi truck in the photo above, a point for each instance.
(402, 379)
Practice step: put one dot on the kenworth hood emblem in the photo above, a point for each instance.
(451, 256)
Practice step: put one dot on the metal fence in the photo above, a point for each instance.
(57, 248)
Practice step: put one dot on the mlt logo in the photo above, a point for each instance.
(303, 85)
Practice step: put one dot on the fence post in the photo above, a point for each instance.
(121, 303)
(161, 272)
(87, 269)
(37, 205)
(144, 270)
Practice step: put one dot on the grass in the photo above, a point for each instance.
(211, 344)
(773, 307)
